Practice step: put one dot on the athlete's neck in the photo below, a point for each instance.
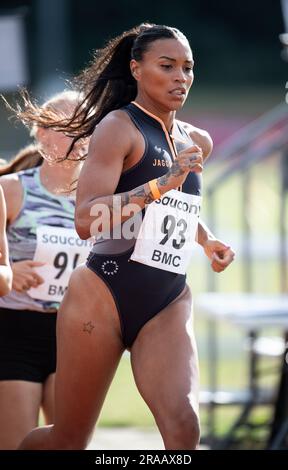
(167, 117)
(58, 178)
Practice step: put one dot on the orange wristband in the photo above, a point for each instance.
(154, 189)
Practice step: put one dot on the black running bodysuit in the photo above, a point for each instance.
(141, 291)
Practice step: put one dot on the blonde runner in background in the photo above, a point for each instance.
(39, 202)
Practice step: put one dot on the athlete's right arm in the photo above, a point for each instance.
(24, 275)
(5, 269)
(111, 142)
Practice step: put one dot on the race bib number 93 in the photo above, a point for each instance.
(167, 234)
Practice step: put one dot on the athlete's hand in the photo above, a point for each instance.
(189, 160)
(220, 254)
(24, 275)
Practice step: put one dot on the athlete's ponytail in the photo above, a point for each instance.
(107, 83)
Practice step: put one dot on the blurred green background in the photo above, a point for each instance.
(239, 72)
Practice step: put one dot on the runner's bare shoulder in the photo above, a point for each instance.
(201, 137)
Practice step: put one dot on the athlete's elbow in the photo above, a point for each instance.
(6, 282)
(81, 226)
(88, 224)
(82, 231)
(4, 290)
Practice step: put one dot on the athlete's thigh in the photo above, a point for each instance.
(165, 361)
(89, 348)
(19, 408)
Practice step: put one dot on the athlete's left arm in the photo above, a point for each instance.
(201, 138)
(220, 254)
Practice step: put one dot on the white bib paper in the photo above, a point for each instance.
(167, 234)
(62, 250)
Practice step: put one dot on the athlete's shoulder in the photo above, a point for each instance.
(116, 121)
(10, 183)
(115, 124)
(200, 136)
(113, 136)
(13, 192)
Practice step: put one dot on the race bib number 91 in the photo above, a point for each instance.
(61, 250)
(167, 234)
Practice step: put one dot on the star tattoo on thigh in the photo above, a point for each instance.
(88, 327)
